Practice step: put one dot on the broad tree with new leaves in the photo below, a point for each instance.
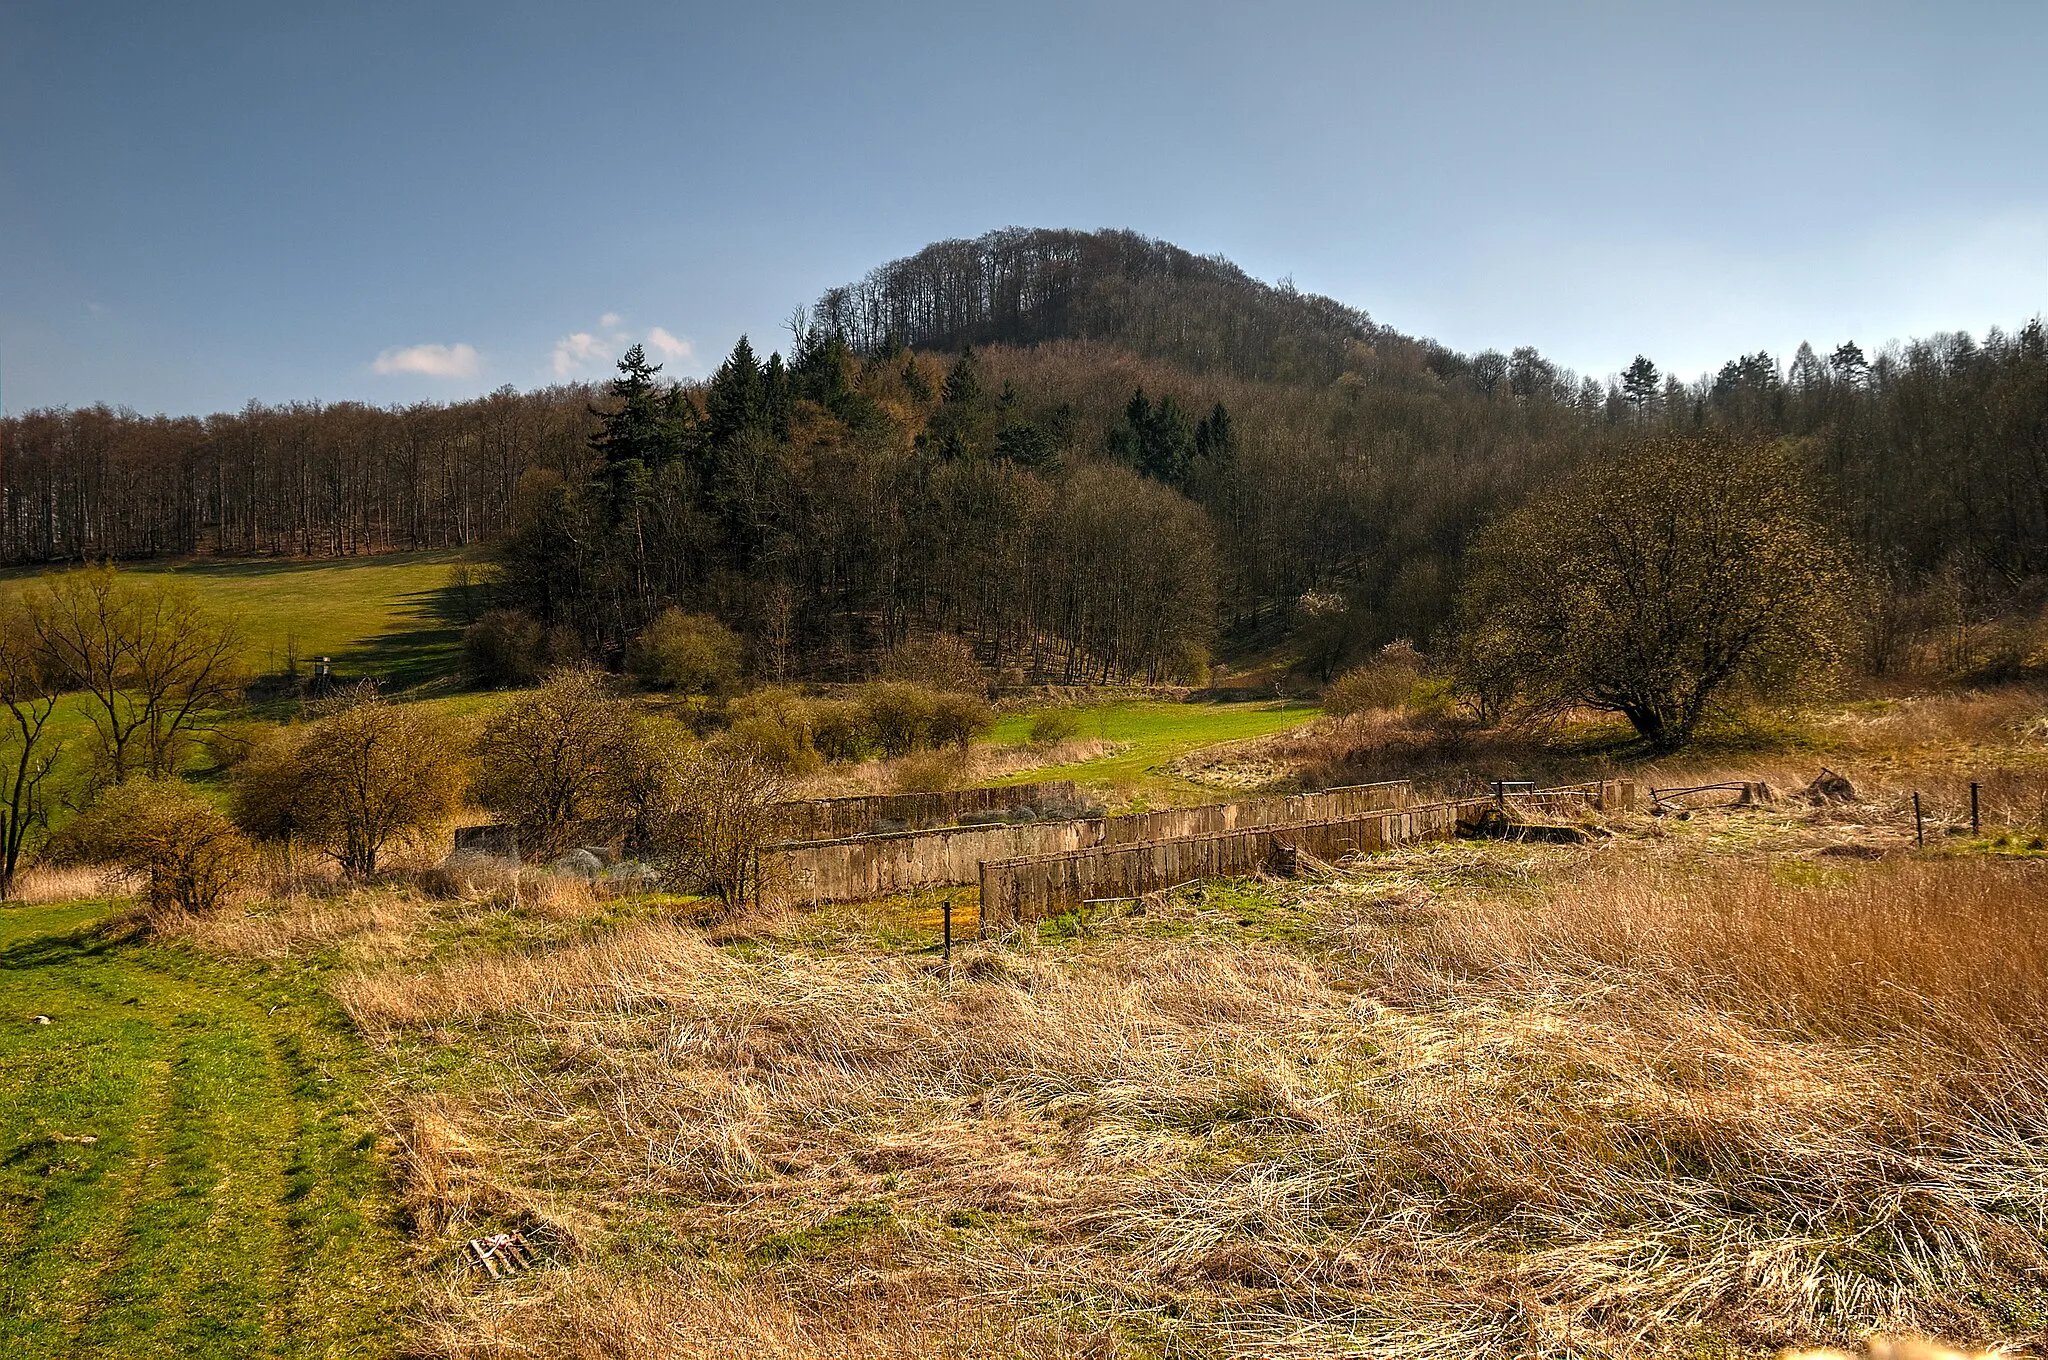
(1687, 572)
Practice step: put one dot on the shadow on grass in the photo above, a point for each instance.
(428, 650)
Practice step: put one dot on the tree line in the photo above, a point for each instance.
(1090, 454)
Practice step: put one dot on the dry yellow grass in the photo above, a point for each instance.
(65, 882)
(1576, 1104)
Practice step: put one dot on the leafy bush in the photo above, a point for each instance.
(1054, 725)
(688, 653)
(191, 854)
(958, 718)
(1389, 680)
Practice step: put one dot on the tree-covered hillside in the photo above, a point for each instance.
(1091, 454)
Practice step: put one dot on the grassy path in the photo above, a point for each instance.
(185, 1166)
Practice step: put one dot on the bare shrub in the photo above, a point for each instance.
(929, 772)
(840, 730)
(504, 647)
(190, 855)
(560, 763)
(899, 713)
(937, 662)
(1387, 681)
(957, 718)
(724, 811)
(1051, 726)
(776, 723)
(367, 774)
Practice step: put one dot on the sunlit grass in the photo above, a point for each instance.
(1150, 736)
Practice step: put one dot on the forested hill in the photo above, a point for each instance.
(1021, 286)
(1145, 457)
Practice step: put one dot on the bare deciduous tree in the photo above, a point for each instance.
(154, 663)
(29, 746)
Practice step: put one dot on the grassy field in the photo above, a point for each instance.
(187, 1164)
(391, 616)
(1701, 1087)
(1150, 736)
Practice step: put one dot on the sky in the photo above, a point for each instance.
(203, 204)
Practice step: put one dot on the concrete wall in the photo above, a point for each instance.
(1030, 888)
(826, 819)
(852, 869)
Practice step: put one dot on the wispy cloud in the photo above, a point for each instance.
(573, 352)
(430, 361)
(583, 352)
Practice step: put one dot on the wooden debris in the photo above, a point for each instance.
(501, 1254)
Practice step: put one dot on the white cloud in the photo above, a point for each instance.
(609, 320)
(669, 345)
(431, 361)
(574, 351)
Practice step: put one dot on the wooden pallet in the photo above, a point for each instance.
(501, 1254)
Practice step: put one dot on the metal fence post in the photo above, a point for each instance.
(1976, 829)
(1919, 827)
(948, 916)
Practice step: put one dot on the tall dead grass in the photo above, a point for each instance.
(1610, 1119)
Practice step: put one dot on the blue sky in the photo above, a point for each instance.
(202, 203)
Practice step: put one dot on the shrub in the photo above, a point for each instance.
(725, 810)
(899, 714)
(1051, 726)
(775, 723)
(928, 772)
(937, 662)
(958, 718)
(504, 647)
(1389, 680)
(688, 653)
(558, 763)
(351, 783)
(192, 856)
(840, 730)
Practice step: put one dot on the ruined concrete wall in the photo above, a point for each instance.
(852, 869)
(826, 819)
(1017, 891)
